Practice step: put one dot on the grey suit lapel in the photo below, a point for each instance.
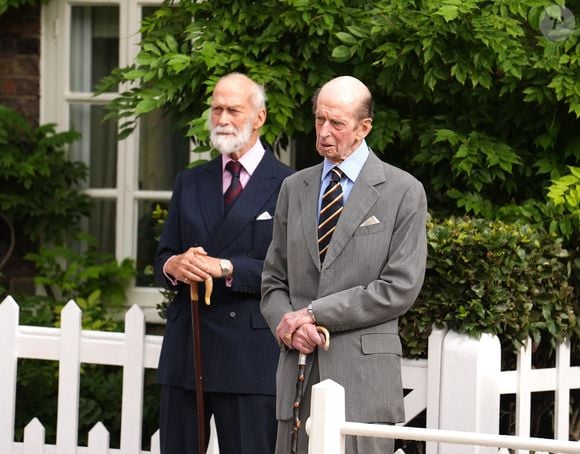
(309, 210)
(362, 198)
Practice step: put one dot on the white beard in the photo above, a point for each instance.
(233, 141)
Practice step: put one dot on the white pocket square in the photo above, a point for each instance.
(370, 221)
(264, 216)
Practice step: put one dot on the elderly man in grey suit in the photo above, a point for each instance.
(348, 253)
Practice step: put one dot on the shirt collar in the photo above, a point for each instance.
(250, 158)
(352, 165)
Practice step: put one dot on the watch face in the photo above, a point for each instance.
(225, 266)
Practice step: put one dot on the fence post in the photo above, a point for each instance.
(469, 388)
(67, 421)
(434, 358)
(326, 417)
(562, 398)
(9, 314)
(133, 377)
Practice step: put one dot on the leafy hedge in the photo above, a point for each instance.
(488, 276)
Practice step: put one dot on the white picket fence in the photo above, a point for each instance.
(327, 429)
(70, 346)
(459, 384)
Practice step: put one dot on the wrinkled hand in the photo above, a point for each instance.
(307, 338)
(289, 331)
(193, 265)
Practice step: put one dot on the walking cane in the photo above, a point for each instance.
(196, 336)
(300, 389)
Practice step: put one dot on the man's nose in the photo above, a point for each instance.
(224, 118)
(324, 129)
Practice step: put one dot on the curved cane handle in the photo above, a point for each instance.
(322, 330)
(194, 290)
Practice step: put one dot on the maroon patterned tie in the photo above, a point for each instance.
(235, 188)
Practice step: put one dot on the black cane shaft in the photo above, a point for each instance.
(300, 390)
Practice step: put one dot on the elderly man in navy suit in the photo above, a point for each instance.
(220, 225)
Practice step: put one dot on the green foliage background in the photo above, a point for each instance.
(469, 95)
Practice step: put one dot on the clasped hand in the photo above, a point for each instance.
(194, 265)
(297, 330)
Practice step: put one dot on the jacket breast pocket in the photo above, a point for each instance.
(261, 237)
(371, 229)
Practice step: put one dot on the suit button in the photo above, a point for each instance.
(232, 314)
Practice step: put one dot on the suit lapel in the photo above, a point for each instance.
(309, 209)
(212, 208)
(249, 202)
(361, 199)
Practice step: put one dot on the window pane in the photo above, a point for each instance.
(101, 226)
(98, 145)
(94, 45)
(149, 230)
(162, 152)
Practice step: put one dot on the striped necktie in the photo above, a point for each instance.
(235, 188)
(330, 210)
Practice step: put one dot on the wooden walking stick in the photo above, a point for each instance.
(300, 390)
(196, 338)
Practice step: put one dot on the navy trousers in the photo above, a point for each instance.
(246, 423)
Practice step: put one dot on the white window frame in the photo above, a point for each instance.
(55, 99)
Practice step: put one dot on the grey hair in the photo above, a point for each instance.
(258, 95)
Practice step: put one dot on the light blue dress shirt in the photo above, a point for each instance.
(350, 167)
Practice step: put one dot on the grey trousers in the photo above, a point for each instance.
(353, 445)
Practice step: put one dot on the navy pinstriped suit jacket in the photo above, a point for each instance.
(239, 352)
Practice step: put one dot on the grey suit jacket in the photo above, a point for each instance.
(372, 274)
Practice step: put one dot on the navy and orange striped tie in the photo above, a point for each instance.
(330, 209)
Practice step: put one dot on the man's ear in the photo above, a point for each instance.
(364, 128)
(260, 119)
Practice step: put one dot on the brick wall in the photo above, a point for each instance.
(20, 91)
(20, 61)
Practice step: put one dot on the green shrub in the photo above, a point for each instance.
(511, 280)
(38, 194)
